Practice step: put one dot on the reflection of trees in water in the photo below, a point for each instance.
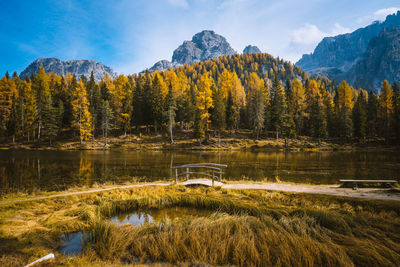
(54, 170)
(85, 172)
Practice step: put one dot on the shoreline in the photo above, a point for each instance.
(335, 190)
(236, 143)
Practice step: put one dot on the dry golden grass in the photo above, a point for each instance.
(247, 228)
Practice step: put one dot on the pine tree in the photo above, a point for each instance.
(156, 100)
(83, 118)
(51, 123)
(385, 110)
(230, 112)
(106, 118)
(170, 112)
(279, 114)
(43, 99)
(396, 110)
(31, 115)
(18, 126)
(218, 113)
(296, 102)
(189, 105)
(7, 93)
(360, 116)
(93, 92)
(372, 114)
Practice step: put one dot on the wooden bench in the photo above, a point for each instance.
(355, 183)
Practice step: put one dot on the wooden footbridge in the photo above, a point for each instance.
(213, 170)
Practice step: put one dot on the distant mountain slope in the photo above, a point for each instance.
(203, 46)
(334, 56)
(75, 67)
(380, 62)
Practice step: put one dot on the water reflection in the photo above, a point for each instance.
(58, 170)
(158, 215)
(74, 243)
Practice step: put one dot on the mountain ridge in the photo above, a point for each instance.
(77, 67)
(335, 56)
(203, 46)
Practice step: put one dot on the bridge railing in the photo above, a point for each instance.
(213, 170)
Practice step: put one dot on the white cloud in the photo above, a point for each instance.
(378, 15)
(307, 34)
(179, 3)
(310, 34)
(305, 39)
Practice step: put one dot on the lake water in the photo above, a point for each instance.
(31, 171)
(75, 243)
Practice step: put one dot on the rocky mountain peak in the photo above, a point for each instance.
(75, 67)
(338, 55)
(203, 46)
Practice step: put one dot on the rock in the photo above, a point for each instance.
(75, 67)
(203, 46)
(251, 49)
(164, 65)
(380, 62)
(335, 56)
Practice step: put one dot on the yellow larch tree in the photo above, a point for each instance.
(204, 100)
(82, 116)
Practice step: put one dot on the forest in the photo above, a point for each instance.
(267, 95)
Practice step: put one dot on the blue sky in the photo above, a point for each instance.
(131, 35)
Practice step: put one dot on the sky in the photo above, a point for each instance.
(131, 35)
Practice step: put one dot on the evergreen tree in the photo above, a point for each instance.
(156, 100)
(189, 105)
(317, 123)
(51, 123)
(279, 115)
(372, 114)
(396, 110)
(230, 112)
(93, 92)
(106, 118)
(43, 99)
(345, 122)
(360, 116)
(385, 110)
(170, 112)
(30, 114)
(218, 113)
(7, 92)
(296, 102)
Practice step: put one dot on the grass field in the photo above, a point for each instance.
(246, 228)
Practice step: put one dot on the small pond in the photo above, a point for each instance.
(74, 243)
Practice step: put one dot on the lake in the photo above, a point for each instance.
(31, 171)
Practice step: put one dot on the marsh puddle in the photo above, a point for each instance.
(74, 243)
(155, 215)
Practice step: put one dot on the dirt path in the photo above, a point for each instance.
(333, 190)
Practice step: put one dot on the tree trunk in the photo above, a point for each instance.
(38, 136)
